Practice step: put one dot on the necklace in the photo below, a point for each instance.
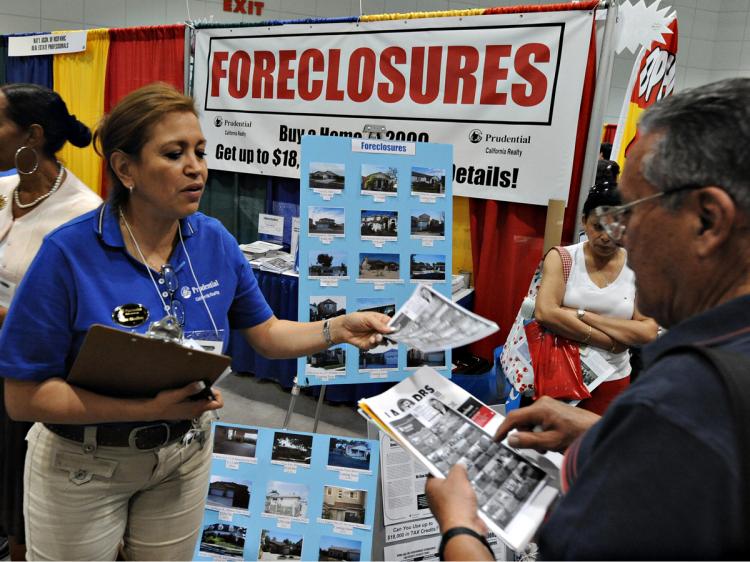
(55, 187)
(145, 263)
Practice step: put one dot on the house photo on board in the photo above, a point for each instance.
(344, 504)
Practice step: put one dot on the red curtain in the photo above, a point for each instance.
(608, 135)
(585, 5)
(139, 56)
(507, 238)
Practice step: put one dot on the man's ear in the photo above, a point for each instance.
(122, 166)
(717, 213)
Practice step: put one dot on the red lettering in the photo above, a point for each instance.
(361, 71)
(285, 74)
(421, 89)
(239, 7)
(461, 64)
(265, 64)
(492, 74)
(397, 88)
(332, 83)
(218, 71)
(310, 90)
(259, 8)
(239, 74)
(535, 77)
(227, 5)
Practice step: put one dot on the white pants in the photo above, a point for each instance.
(81, 506)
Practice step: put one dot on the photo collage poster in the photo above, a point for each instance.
(288, 495)
(375, 220)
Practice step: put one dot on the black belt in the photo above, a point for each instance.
(138, 435)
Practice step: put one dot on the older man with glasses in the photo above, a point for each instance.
(661, 475)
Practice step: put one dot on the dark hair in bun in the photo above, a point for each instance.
(31, 104)
(604, 192)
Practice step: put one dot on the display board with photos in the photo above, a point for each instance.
(375, 220)
(288, 495)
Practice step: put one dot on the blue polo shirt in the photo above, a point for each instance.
(659, 477)
(83, 273)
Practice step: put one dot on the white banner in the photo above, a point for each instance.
(54, 43)
(505, 90)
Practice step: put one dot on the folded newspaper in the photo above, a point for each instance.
(431, 322)
(441, 424)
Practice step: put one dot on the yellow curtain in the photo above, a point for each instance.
(461, 235)
(416, 15)
(79, 79)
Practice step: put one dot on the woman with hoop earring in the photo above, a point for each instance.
(34, 126)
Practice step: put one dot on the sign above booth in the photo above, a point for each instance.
(55, 43)
(505, 90)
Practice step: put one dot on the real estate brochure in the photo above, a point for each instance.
(441, 424)
(411, 532)
(430, 322)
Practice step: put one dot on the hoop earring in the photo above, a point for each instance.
(36, 161)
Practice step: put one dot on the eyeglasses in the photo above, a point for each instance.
(171, 284)
(614, 219)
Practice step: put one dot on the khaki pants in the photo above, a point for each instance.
(81, 506)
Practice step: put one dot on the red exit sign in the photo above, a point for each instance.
(244, 7)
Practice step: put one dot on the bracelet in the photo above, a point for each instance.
(588, 336)
(327, 333)
(450, 533)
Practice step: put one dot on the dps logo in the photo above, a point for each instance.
(218, 121)
(475, 136)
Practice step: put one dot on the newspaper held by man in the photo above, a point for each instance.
(441, 424)
(429, 321)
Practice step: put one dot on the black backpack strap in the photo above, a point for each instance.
(734, 369)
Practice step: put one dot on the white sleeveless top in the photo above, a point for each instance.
(616, 300)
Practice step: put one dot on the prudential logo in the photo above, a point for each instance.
(475, 136)
(218, 122)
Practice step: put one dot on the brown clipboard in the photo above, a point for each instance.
(128, 365)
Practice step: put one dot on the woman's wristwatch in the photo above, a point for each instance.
(450, 533)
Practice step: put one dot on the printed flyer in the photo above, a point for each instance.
(441, 424)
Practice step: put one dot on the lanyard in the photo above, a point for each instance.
(151, 275)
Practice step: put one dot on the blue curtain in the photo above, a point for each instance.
(281, 293)
(282, 199)
(33, 70)
(3, 58)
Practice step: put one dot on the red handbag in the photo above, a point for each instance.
(557, 364)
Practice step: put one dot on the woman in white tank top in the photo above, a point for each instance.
(596, 304)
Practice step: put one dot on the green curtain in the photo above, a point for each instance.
(236, 200)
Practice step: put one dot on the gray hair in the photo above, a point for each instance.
(705, 140)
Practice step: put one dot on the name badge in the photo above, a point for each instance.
(207, 340)
(7, 290)
(130, 315)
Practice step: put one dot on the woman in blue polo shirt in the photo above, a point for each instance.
(89, 484)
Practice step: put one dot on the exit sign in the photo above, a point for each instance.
(244, 7)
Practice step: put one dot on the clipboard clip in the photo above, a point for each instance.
(168, 329)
